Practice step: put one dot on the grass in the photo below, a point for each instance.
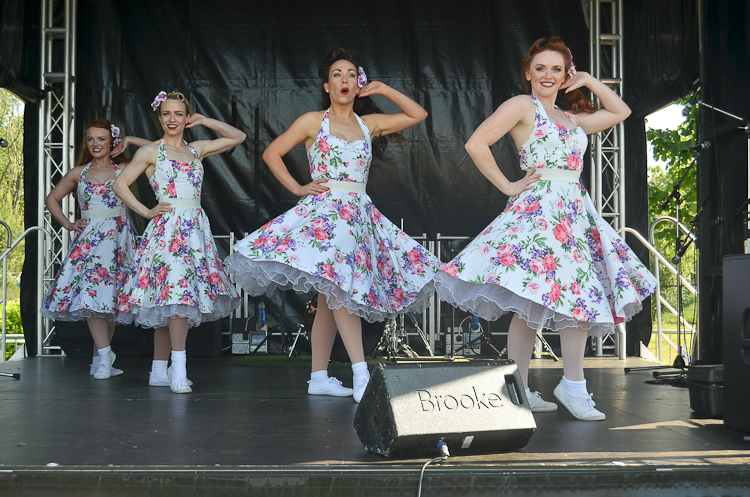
(668, 353)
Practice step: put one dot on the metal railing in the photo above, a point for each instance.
(659, 258)
(17, 338)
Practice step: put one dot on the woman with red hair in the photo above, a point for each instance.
(549, 257)
(90, 280)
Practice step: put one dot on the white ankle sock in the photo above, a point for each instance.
(94, 364)
(575, 388)
(179, 364)
(360, 370)
(319, 375)
(159, 367)
(105, 355)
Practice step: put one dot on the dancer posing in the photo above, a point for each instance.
(549, 257)
(334, 240)
(89, 284)
(177, 281)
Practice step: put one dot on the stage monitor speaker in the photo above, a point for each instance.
(474, 407)
(736, 349)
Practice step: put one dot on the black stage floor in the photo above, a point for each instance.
(255, 427)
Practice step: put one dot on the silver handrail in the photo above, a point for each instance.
(658, 258)
(4, 257)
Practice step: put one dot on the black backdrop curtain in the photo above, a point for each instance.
(254, 64)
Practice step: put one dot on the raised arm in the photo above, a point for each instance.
(304, 129)
(230, 136)
(67, 184)
(142, 160)
(127, 141)
(614, 110)
(514, 116)
(384, 124)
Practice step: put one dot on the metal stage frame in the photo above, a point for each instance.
(57, 125)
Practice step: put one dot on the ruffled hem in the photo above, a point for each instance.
(259, 277)
(118, 317)
(158, 317)
(489, 301)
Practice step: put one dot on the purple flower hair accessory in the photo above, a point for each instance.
(572, 70)
(115, 135)
(161, 97)
(362, 77)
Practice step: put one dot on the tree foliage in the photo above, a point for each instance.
(669, 147)
(11, 183)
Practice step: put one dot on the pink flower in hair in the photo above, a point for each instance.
(115, 135)
(362, 77)
(161, 97)
(572, 70)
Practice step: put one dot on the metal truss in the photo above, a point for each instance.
(56, 148)
(607, 186)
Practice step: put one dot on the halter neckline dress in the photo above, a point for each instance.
(90, 280)
(178, 271)
(549, 257)
(338, 243)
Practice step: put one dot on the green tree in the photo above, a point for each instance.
(669, 146)
(11, 184)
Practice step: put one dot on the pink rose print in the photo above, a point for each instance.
(324, 146)
(300, 210)
(214, 278)
(579, 205)
(92, 292)
(329, 272)
(554, 293)
(398, 295)
(580, 314)
(414, 257)
(549, 263)
(541, 224)
(322, 168)
(532, 207)
(164, 293)
(172, 190)
(537, 265)
(533, 288)
(345, 213)
(576, 288)
(76, 253)
(577, 256)
(561, 234)
(574, 163)
(162, 275)
(143, 282)
(183, 283)
(451, 270)
(320, 234)
(507, 260)
(259, 242)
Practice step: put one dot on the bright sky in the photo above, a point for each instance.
(667, 118)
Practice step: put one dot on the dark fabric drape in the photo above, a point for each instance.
(254, 64)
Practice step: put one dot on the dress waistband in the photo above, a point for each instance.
(183, 203)
(559, 175)
(103, 213)
(345, 186)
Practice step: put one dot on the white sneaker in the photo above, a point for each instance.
(538, 404)
(580, 407)
(180, 385)
(104, 371)
(331, 387)
(360, 385)
(157, 380)
(112, 370)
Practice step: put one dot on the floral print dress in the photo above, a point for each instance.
(338, 243)
(90, 280)
(549, 257)
(178, 271)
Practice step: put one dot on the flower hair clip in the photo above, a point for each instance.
(161, 97)
(362, 77)
(572, 70)
(115, 135)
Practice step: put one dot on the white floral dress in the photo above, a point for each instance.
(338, 243)
(178, 271)
(90, 280)
(549, 257)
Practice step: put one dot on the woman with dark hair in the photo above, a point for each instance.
(334, 240)
(549, 257)
(89, 284)
(177, 281)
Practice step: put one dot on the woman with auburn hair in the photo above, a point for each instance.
(177, 281)
(549, 257)
(89, 283)
(334, 240)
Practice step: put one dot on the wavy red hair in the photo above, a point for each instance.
(85, 157)
(575, 100)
